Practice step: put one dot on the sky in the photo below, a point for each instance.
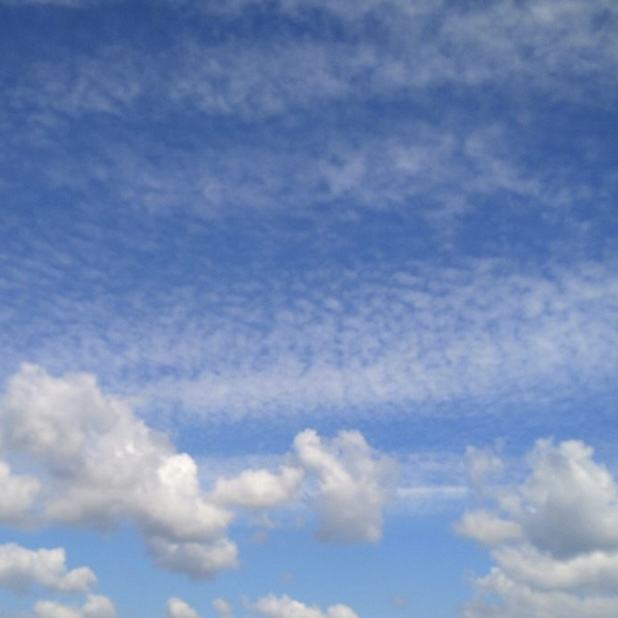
(308, 309)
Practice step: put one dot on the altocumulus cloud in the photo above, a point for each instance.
(25, 571)
(259, 488)
(553, 539)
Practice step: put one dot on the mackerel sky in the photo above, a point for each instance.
(308, 308)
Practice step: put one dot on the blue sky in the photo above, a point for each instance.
(309, 309)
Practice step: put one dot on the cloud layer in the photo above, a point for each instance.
(21, 568)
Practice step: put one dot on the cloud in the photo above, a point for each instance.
(177, 608)
(197, 560)
(19, 493)
(343, 480)
(285, 607)
(95, 607)
(218, 350)
(103, 466)
(21, 569)
(353, 484)
(407, 339)
(281, 74)
(223, 608)
(487, 528)
(97, 465)
(259, 488)
(552, 538)
(574, 500)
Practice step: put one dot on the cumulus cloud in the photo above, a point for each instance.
(21, 569)
(259, 488)
(574, 500)
(285, 607)
(553, 539)
(196, 560)
(102, 465)
(19, 493)
(94, 607)
(487, 528)
(353, 484)
(177, 608)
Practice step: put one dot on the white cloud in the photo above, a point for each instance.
(517, 600)
(21, 569)
(501, 44)
(94, 607)
(354, 482)
(19, 493)
(487, 528)
(494, 44)
(574, 501)
(259, 488)
(177, 608)
(197, 560)
(102, 466)
(285, 607)
(552, 538)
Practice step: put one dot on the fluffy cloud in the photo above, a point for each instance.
(22, 568)
(177, 608)
(102, 465)
(18, 495)
(574, 500)
(95, 607)
(196, 560)
(553, 539)
(259, 488)
(353, 484)
(98, 465)
(284, 607)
